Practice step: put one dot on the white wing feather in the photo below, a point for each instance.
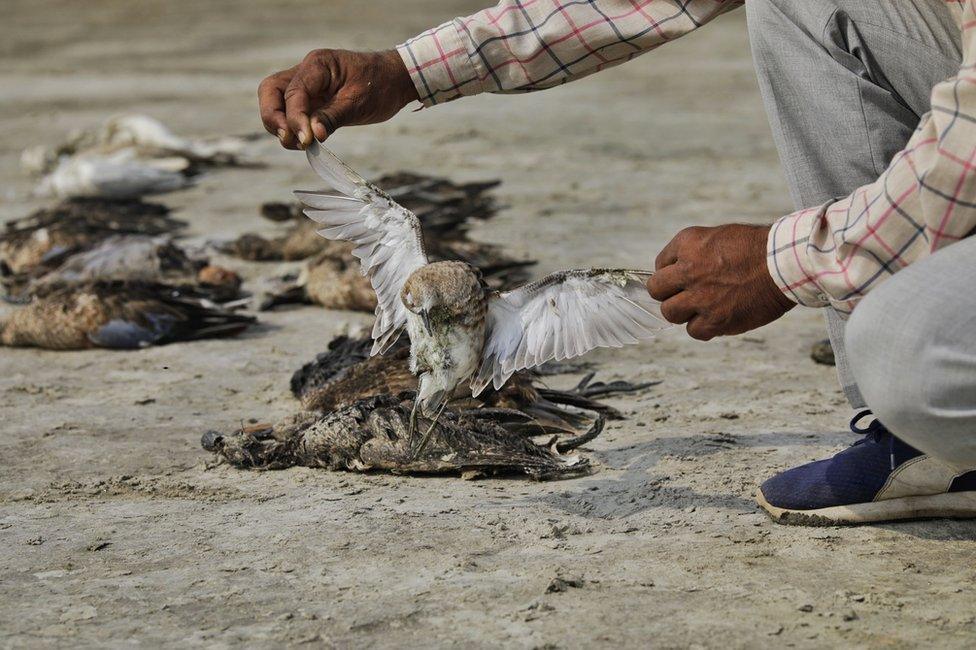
(388, 237)
(562, 316)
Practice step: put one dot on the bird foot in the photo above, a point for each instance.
(416, 451)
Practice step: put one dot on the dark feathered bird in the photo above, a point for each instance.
(345, 374)
(127, 257)
(446, 209)
(372, 434)
(46, 236)
(117, 314)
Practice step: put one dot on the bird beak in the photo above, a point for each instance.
(426, 318)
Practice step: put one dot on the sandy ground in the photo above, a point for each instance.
(116, 532)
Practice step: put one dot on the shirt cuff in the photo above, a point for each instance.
(787, 258)
(439, 65)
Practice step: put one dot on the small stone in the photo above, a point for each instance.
(823, 353)
(560, 584)
(805, 608)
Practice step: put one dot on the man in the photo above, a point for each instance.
(863, 107)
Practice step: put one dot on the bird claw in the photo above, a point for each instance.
(412, 427)
(416, 451)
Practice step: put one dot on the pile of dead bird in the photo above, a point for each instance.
(106, 268)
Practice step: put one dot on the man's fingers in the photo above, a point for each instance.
(665, 282)
(327, 120)
(700, 329)
(271, 100)
(679, 309)
(322, 126)
(337, 113)
(667, 256)
(297, 102)
(304, 89)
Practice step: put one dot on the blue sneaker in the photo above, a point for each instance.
(878, 478)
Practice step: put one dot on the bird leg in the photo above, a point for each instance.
(413, 420)
(423, 441)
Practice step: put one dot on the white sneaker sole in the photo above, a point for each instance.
(950, 505)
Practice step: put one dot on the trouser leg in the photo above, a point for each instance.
(845, 83)
(912, 345)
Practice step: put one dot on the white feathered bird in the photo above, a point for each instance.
(141, 137)
(460, 331)
(117, 176)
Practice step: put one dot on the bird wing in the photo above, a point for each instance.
(131, 257)
(562, 316)
(388, 237)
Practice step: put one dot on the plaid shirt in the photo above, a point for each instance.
(829, 255)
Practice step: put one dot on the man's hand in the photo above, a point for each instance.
(716, 281)
(330, 89)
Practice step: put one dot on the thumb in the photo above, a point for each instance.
(337, 113)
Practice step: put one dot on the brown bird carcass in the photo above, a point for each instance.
(117, 314)
(372, 435)
(141, 258)
(345, 374)
(46, 236)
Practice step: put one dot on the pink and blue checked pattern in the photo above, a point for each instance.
(829, 255)
(524, 45)
(926, 199)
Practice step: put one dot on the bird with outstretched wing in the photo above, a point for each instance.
(461, 331)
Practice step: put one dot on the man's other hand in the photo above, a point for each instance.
(716, 281)
(330, 89)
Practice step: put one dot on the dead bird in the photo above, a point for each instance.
(346, 373)
(47, 235)
(445, 209)
(333, 278)
(118, 314)
(373, 434)
(138, 137)
(127, 257)
(459, 330)
(330, 279)
(299, 243)
(116, 176)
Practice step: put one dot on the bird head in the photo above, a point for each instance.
(442, 291)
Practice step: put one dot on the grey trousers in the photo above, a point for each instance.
(845, 83)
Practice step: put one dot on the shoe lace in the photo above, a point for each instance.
(875, 431)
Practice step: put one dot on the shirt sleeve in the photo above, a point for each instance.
(836, 253)
(525, 45)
